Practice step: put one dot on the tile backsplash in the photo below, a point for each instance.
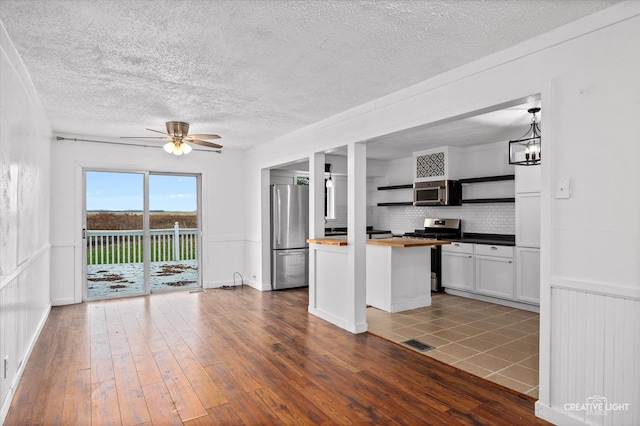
(341, 218)
(496, 218)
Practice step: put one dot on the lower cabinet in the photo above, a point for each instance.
(505, 272)
(458, 266)
(528, 275)
(495, 272)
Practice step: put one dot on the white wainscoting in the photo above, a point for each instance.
(63, 274)
(328, 272)
(595, 353)
(223, 257)
(24, 307)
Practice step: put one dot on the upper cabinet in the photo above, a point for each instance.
(527, 179)
(528, 206)
(437, 164)
(528, 220)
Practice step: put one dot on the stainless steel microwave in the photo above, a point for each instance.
(437, 193)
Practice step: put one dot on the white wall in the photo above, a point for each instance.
(25, 137)
(222, 212)
(587, 76)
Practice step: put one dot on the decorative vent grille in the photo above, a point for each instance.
(417, 344)
(430, 165)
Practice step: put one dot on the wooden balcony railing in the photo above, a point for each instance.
(115, 247)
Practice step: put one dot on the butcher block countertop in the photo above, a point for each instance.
(407, 242)
(328, 241)
(392, 242)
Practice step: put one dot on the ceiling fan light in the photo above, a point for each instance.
(168, 147)
(186, 148)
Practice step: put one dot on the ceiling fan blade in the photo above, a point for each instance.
(204, 143)
(203, 136)
(145, 137)
(158, 131)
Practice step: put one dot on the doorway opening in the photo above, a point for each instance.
(492, 334)
(141, 233)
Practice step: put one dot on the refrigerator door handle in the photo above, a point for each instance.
(278, 216)
(293, 252)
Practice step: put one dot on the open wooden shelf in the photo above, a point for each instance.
(401, 203)
(387, 188)
(488, 200)
(488, 179)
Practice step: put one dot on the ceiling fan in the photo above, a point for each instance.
(178, 136)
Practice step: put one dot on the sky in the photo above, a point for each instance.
(124, 192)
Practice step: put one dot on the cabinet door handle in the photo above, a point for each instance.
(494, 248)
(456, 244)
(470, 256)
(510, 261)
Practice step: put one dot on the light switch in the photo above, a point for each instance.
(563, 188)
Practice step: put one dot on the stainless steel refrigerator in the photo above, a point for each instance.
(289, 233)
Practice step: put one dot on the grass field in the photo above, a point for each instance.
(133, 252)
(133, 220)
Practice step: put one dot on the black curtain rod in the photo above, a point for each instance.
(60, 138)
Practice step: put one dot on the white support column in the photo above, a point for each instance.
(316, 219)
(357, 236)
(265, 229)
(316, 195)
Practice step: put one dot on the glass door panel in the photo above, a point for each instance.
(173, 232)
(114, 223)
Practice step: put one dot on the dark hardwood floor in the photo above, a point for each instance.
(239, 357)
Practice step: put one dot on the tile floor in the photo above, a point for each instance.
(491, 341)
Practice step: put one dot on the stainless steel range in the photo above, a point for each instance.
(439, 229)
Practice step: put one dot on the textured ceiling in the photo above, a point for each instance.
(251, 70)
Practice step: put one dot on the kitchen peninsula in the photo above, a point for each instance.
(398, 271)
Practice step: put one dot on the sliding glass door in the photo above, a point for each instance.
(114, 224)
(173, 223)
(141, 233)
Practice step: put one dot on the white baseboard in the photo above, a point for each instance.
(554, 416)
(406, 305)
(345, 325)
(4, 410)
(250, 283)
(497, 301)
(63, 301)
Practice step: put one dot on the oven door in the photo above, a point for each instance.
(429, 193)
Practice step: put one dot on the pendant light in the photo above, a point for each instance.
(329, 182)
(526, 150)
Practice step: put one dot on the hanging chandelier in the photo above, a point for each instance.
(526, 150)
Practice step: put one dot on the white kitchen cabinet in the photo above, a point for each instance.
(458, 266)
(495, 271)
(528, 220)
(528, 275)
(527, 179)
(528, 187)
(437, 164)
